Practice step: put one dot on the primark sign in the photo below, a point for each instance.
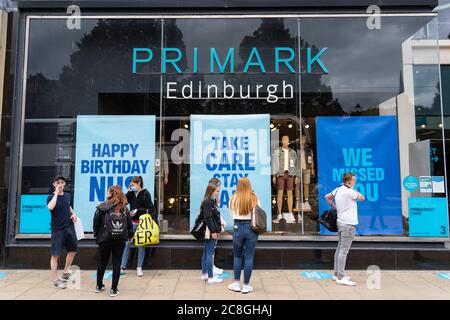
(281, 60)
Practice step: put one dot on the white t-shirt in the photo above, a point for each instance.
(347, 209)
(286, 159)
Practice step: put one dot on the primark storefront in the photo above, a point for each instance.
(180, 93)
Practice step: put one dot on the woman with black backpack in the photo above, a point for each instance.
(210, 214)
(141, 203)
(112, 228)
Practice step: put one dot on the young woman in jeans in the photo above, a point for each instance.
(211, 215)
(141, 203)
(116, 203)
(241, 206)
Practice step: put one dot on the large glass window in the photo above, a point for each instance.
(292, 103)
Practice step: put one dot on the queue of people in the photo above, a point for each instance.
(115, 224)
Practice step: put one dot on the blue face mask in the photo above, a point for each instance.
(134, 188)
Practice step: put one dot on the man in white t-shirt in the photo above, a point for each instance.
(345, 198)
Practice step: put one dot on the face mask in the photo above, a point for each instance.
(134, 188)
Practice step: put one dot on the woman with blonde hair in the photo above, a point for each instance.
(112, 227)
(242, 203)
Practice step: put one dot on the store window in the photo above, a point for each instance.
(292, 103)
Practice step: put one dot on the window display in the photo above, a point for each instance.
(283, 101)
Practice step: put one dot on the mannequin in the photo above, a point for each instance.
(285, 175)
(161, 170)
(307, 171)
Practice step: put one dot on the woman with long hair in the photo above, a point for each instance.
(242, 203)
(211, 215)
(112, 228)
(140, 202)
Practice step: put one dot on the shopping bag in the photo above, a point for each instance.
(147, 232)
(79, 230)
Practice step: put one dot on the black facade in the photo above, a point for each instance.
(28, 120)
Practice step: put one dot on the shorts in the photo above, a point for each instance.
(285, 181)
(66, 238)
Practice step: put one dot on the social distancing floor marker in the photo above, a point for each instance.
(225, 275)
(443, 275)
(316, 275)
(3, 275)
(107, 276)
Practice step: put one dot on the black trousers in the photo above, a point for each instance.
(105, 249)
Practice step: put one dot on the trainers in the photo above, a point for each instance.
(247, 288)
(99, 289)
(122, 271)
(335, 278)
(114, 293)
(346, 282)
(235, 286)
(214, 280)
(139, 272)
(217, 271)
(65, 277)
(204, 276)
(58, 284)
(306, 206)
(279, 217)
(289, 217)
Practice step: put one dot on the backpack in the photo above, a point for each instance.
(259, 223)
(329, 218)
(116, 226)
(199, 229)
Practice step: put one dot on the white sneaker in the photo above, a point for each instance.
(289, 217)
(204, 276)
(306, 206)
(279, 217)
(346, 282)
(247, 288)
(214, 280)
(335, 278)
(217, 271)
(139, 272)
(235, 286)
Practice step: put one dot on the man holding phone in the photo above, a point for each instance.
(63, 231)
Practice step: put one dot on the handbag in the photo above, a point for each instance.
(259, 220)
(329, 218)
(199, 229)
(147, 232)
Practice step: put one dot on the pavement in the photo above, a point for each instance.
(267, 284)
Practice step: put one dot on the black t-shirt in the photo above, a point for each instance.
(61, 213)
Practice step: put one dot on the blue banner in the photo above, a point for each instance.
(110, 150)
(229, 147)
(428, 217)
(368, 147)
(34, 214)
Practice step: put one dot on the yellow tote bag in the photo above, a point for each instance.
(147, 232)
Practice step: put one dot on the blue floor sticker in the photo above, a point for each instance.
(444, 275)
(107, 276)
(315, 275)
(225, 275)
(3, 275)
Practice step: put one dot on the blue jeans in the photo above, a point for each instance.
(207, 258)
(126, 252)
(244, 243)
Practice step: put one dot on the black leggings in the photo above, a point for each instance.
(104, 249)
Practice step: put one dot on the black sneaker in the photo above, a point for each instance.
(58, 284)
(113, 293)
(65, 277)
(99, 289)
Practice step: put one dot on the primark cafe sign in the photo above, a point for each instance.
(281, 58)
